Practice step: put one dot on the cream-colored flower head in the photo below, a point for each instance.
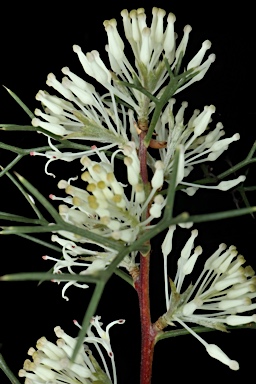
(51, 363)
(221, 296)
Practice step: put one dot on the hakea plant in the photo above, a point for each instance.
(105, 224)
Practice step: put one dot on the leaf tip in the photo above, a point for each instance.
(7, 89)
(18, 175)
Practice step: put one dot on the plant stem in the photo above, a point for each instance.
(143, 158)
(142, 286)
(147, 333)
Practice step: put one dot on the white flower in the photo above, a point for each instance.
(52, 362)
(82, 259)
(219, 297)
(99, 121)
(105, 207)
(150, 46)
(198, 143)
(81, 113)
(108, 208)
(56, 154)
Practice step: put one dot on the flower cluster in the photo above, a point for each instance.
(199, 144)
(107, 208)
(222, 293)
(52, 362)
(118, 117)
(150, 47)
(82, 113)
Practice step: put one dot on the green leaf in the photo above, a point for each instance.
(123, 275)
(140, 89)
(91, 309)
(18, 100)
(95, 132)
(41, 242)
(15, 127)
(177, 67)
(15, 230)
(219, 215)
(37, 276)
(4, 367)
(168, 212)
(10, 165)
(199, 329)
(22, 219)
(241, 190)
(27, 197)
(46, 204)
(101, 376)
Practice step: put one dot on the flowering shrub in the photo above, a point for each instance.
(104, 224)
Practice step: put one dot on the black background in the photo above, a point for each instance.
(36, 41)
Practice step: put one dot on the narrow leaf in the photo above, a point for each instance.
(30, 229)
(18, 100)
(37, 276)
(10, 165)
(7, 371)
(22, 219)
(15, 127)
(41, 242)
(46, 204)
(91, 309)
(219, 215)
(27, 197)
(124, 276)
(172, 187)
(199, 329)
(245, 199)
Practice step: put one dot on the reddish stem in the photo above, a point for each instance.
(142, 286)
(147, 332)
